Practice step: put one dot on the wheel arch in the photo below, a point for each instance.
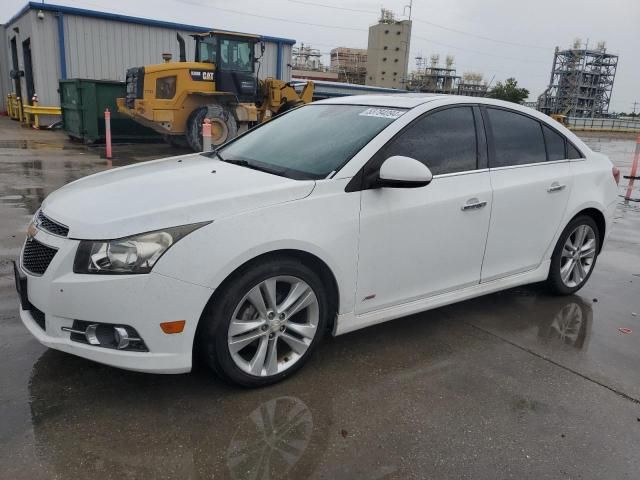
(598, 216)
(309, 259)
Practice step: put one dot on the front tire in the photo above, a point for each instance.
(574, 256)
(265, 323)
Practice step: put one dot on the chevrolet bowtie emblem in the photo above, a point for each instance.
(32, 229)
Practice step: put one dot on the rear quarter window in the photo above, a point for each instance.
(573, 152)
(555, 144)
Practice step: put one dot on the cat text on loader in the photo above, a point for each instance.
(174, 98)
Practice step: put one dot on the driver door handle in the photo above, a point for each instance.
(556, 187)
(474, 204)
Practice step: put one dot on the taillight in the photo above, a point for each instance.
(615, 171)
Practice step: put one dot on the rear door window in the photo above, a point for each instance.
(555, 144)
(445, 141)
(517, 139)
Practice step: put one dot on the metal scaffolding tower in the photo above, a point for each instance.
(581, 82)
(434, 78)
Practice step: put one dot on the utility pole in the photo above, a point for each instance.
(406, 55)
(635, 105)
(410, 6)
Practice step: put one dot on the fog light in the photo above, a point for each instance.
(106, 335)
(121, 337)
(91, 333)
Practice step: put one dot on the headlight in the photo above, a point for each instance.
(136, 254)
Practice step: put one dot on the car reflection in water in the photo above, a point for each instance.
(92, 421)
(528, 314)
(271, 440)
(570, 326)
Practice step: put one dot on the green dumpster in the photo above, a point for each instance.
(83, 103)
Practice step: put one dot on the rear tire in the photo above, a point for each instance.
(275, 326)
(574, 256)
(223, 126)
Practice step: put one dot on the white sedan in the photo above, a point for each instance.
(329, 218)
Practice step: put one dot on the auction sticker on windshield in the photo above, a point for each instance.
(382, 113)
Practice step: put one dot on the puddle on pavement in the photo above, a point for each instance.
(254, 436)
(37, 145)
(10, 198)
(555, 322)
(285, 431)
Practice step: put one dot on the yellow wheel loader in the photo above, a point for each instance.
(174, 98)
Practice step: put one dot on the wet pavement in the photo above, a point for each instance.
(517, 384)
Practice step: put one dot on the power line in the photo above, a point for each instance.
(357, 10)
(504, 42)
(477, 52)
(278, 19)
(288, 20)
(418, 20)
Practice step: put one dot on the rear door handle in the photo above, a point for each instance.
(474, 204)
(556, 187)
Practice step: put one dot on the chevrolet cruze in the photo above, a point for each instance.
(329, 218)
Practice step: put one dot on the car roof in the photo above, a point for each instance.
(414, 99)
(411, 100)
(400, 100)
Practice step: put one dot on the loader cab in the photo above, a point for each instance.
(233, 56)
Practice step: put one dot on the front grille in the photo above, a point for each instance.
(36, 257)
(52, 227)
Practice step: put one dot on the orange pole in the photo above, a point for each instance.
(107, 129)
(634, 169)
(206, 135)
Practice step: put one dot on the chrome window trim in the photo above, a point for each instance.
(537, 164)
(455, 174)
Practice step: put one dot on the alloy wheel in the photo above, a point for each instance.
(273, 325)
(578, 255)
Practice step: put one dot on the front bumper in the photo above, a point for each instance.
(140, 301)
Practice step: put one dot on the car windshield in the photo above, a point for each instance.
(310, 142)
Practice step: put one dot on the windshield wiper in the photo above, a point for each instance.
(233, 161)
(253, 166)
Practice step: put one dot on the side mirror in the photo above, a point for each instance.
(403, 172)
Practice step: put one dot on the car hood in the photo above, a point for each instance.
(165, 193)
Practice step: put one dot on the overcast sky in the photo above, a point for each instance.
(480, 34)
